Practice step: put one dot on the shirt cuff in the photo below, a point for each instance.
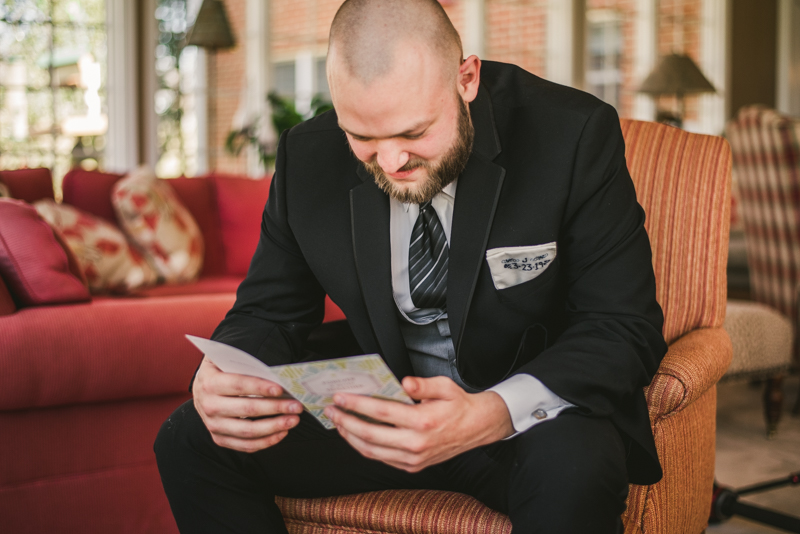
(529, 402)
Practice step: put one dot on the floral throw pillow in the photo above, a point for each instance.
(153, 217)
(109, 263)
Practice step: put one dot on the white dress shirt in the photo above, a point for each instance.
(529, 402)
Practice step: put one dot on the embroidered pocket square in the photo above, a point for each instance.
(514, 265)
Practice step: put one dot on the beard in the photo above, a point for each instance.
(438, 175)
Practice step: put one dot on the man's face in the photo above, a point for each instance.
(410, 128)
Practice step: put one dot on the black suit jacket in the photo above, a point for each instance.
(547, 165)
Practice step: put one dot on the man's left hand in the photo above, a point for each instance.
(447, 422)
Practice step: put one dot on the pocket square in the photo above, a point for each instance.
(514, 265)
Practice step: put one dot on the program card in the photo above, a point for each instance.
(312, 383)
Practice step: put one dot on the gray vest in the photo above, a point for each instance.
(430, 346)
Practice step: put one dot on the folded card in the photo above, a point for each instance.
(312, 383)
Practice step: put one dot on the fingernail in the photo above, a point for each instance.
(295, 408)
(274, 391)
(338, 399)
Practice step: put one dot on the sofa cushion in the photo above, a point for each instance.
(197, 194)
(112, 348)
(152, 216)
(108, 261)
(90, 191)
(5, 192)
(29, 185)
(32, 260)
(241, 204)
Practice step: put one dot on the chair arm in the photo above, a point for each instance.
(693, 364)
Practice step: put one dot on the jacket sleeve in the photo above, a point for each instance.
(280, 301)
(612, 343)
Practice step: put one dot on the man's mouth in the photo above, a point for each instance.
(402, 174)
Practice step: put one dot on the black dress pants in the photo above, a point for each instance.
(562, 476)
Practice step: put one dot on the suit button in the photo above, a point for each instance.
(540, 414)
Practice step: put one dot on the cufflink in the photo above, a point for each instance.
(540, 414)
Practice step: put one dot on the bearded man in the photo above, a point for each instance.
(479, 229)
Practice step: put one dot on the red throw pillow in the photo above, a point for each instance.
(32, 262)
(29, 185)
(241, 205)
(90, 191)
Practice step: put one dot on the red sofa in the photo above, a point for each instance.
(86, 386)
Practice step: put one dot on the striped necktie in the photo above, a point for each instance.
(427, 260)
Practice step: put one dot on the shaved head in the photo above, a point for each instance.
(366, 35)
(401, 89)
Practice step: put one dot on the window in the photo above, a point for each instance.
(321, 82)
(285, 79)
(180, 97)
(52, 84)
(604, 53)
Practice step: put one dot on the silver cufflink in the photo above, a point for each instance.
(540, 414)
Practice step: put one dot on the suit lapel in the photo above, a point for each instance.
(477, 194)
(369, 216)
(476, 199)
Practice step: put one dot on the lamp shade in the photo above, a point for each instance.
(211, 28)
(676, 74)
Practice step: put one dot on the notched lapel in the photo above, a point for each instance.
(369, 218)
(476, 200)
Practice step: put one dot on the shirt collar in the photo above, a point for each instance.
(449, 191)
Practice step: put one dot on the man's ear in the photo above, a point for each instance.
(469, 78)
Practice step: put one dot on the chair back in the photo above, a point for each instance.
(766, 167)
(682, 181)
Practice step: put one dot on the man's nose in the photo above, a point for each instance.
(391, 157)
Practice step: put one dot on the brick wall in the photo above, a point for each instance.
(516, 33)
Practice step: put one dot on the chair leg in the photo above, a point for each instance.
(773, 404)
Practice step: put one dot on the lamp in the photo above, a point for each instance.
(679, 75)
(211, 28)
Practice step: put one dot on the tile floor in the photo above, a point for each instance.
(745, 456)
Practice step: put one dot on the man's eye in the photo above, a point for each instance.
(413, 136)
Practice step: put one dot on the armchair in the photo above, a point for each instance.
(683, 183)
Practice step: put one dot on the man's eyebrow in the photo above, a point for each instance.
(411, 131)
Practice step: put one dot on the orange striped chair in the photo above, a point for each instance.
(683, 183)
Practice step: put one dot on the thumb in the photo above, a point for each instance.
(437, 387)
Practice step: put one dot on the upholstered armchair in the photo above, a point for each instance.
(766, 169)
(683, 183)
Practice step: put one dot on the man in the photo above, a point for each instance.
(479, 229)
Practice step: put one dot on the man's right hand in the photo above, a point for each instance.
(229, 412)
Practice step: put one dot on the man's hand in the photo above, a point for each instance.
(224, 402)
(447, 422)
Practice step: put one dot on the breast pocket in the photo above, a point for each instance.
(513, 266)
(537, 290)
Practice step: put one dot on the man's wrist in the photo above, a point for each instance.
(499, 417)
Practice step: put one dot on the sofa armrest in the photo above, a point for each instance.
(693, 364)
(109, 349)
